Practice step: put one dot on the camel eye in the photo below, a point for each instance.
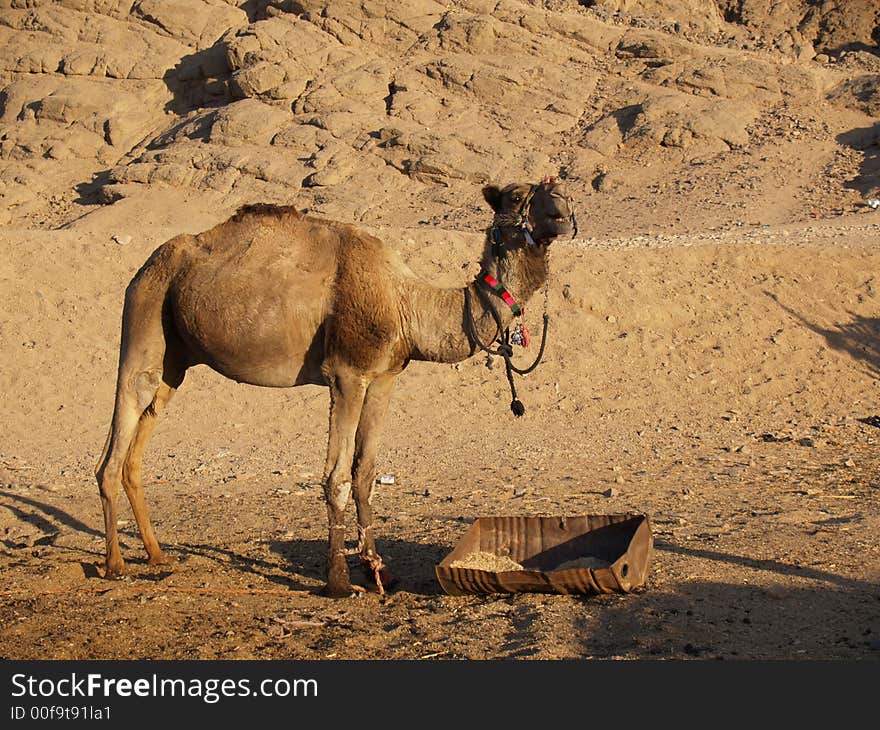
(515, 197)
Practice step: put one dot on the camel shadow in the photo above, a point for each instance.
(41, 515)
(244, 564)
(859, 338)
(867, 141)
(47, 519)
(411, 563)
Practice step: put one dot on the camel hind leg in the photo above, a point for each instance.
(135, 392)
(152, 363)
(122, 458)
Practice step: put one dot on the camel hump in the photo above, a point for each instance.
(265, 210)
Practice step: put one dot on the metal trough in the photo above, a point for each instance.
(541, 544)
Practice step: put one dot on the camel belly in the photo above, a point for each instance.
(267, 337)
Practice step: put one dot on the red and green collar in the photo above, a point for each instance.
(497, 287)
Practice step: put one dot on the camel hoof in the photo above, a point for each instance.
(160, 559)
(385, 576)
(114, 572)
(389, 580)
(337, 590)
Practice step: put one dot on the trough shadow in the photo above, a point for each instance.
(706, 619)
(411, 563)
(859, 338)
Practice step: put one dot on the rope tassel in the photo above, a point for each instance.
(505, 350)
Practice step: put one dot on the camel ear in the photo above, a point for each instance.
(492, 196)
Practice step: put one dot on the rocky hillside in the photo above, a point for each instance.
(661, 114)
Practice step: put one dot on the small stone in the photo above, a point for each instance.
(611, 319)
(611, 492)
(519, 492)
(620, 480)
(850, 463)
(122, 239)
(807, 441)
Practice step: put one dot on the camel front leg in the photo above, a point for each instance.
(346, 401)
(366, 445)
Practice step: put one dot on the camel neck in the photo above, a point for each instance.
(520, 272)
(439, 329)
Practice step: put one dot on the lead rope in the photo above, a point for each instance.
(505, 349)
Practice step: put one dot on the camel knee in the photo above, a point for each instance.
(146, 385)
(337, 494)
(109, 480)
(363, 487)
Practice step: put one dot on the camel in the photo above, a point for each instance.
(277, 298)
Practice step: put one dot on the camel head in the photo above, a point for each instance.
(530, 215)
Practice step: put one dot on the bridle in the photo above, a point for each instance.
(520, 221)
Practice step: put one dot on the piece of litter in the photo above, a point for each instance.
(386, 479)
(873, 203)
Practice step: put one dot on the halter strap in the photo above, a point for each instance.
(496, 286)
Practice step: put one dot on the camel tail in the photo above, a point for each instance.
(102, 458)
